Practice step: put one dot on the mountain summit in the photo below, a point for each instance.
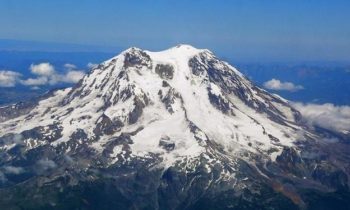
(176, 129)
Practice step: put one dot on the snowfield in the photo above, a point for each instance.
(183, 94)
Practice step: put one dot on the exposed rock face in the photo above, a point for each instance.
(330, 175)
(177, 129)
(105, 126)
(165, 71)
(219, 102)
(137, 58)
(166, 143)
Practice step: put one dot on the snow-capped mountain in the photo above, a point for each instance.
(164, 130)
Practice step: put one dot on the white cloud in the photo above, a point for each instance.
(42, 69)
(35, 81)
(44, 165)
(54, 79)
(9, 78)
(35, 88)
(73, 76)
(45, 75)
(70, 66)
(16, 139)
(13, 170)
(329, 116)
(275, 84)
(47, 164)
(48, 76)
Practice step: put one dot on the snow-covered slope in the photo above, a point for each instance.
(163, 95)
(180, 108)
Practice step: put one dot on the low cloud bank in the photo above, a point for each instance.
(9, 170)
(46, 75)
(43, 74)
(328, 116)
(9, 78)
(13, 170)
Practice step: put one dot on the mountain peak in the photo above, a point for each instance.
(182, 85)
(185, 47)
(131, 49)
(145, 120)
(179, 47)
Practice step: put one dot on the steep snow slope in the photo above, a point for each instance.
(162, 96)
(164, 130)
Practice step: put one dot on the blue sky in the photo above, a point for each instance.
(246, 29)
